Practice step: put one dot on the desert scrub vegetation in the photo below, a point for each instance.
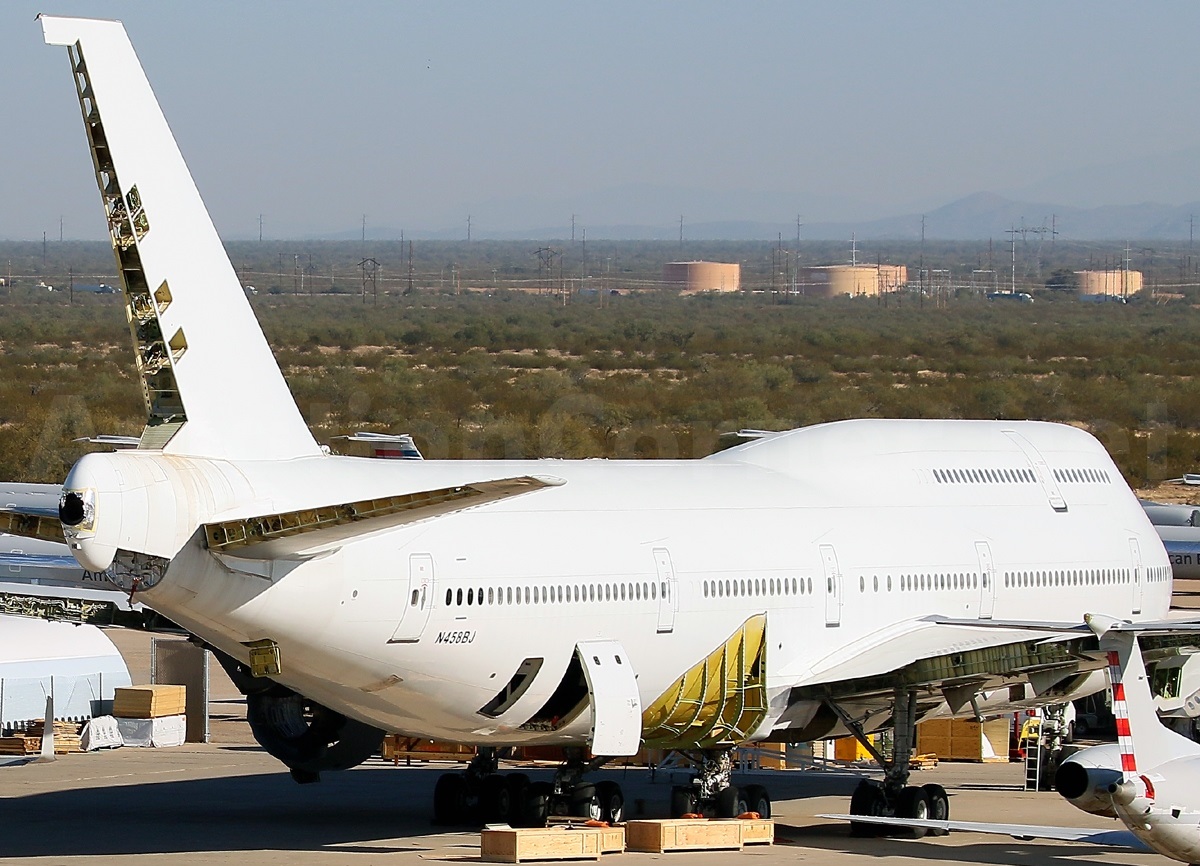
(515, 374)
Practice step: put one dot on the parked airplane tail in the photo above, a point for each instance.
(1143, 739)
(211, 385)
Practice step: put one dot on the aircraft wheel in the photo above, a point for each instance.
(450, 799)
(913, 803)
(496, 800)
(683, 801)
(535, 808)
(612, 802)
(756, 799)
(585, 803)
(867, 799)
(727, 802)
(939, 806)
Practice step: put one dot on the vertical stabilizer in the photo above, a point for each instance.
(211, 385)
(1145, 742)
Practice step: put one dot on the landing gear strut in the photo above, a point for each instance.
(712, 791)
(481, 794)
(893, 796)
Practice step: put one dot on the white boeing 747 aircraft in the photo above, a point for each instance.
(598, 605)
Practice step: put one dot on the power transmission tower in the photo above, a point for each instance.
(370, 271)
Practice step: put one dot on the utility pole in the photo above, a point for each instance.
(1012, 232)
(410, 269)
(260, 228)
(572, 228)
(1191, 230)
(468, 228)
(60, 231)
(681, 232)
(921, 266)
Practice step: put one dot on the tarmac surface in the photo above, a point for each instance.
(229, 802)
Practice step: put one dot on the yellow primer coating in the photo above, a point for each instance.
(718, 701)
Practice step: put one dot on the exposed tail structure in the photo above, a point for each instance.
(211, 384)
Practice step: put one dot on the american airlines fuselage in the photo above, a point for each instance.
(836, 533)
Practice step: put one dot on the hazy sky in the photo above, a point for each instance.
(418, 114)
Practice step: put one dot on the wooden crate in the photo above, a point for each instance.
(758, 831)
(684, 834)
(149, 702)
(521, 845)
(964, 739)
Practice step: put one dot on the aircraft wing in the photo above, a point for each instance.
(1024, 832)
(947, 661)
(309, 532)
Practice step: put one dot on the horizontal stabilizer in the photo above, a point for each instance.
(211, 386)
(291, 534)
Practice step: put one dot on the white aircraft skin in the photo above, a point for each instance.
(381, 619)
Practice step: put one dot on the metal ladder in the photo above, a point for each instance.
(1031, 742)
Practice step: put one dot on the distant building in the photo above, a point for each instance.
(832, 281)
(1118, 283)
(692, 277)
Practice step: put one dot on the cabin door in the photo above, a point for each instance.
(418, 603)
(667, 590)
(987, 580)
(833, 585)
(1135, 584)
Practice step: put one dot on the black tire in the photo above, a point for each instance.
(1080, 729)
(612, 802)
(913, 803)
(535, 806)
(683, 801)
(450, 799)
(1069, 733)
(867, 799)
(496, 800)
(939, 806)
(727, 802)
(585, 803)
(756, 799)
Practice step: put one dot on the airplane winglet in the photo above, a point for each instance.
(211, 386)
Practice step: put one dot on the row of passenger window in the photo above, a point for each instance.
(1081, 476)
(563, 594)
(757, 587)
(984, 476)
(1084, 577)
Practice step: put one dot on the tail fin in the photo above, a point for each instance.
(211, 385)
(1145, 742)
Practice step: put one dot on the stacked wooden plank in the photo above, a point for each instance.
(29, 742)
(149, 702)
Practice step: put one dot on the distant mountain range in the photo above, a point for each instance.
(974, 217)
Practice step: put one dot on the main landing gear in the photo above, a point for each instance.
(893, 796)
(480, 794)
(712, 791)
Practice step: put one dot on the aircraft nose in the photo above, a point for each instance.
(72, 508)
